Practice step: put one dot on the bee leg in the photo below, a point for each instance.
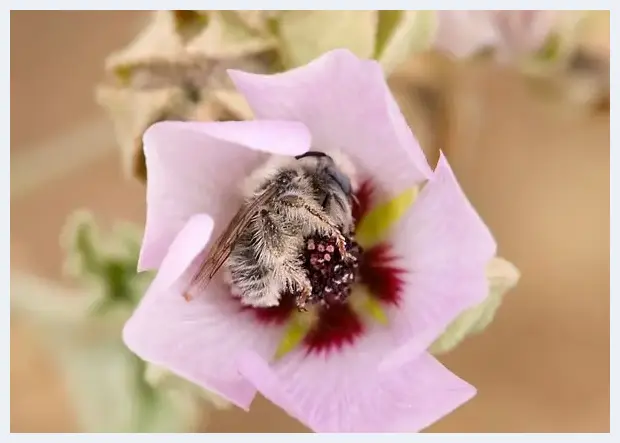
(342, 246)
(341, 242)
(299, 285)
(302, 298)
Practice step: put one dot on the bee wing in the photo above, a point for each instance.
(224, 244)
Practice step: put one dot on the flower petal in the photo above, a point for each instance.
(444, 247)
(346, 393)
(197, 167)
(346, 104)
(442, 232)
(198, 340)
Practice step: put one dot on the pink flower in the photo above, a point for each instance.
(511, 33)
(350, 373)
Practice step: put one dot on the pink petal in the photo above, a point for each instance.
(347, 393)
(196, 167)
(444, 246)
(198, 340)
(346, 104)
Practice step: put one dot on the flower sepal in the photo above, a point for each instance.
(502, 276)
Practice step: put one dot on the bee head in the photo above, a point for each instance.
(327, 166)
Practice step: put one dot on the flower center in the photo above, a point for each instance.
(346, 292)
(331, 275)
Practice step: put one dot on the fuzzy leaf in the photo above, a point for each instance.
(47, 303)
(107, 383)
(158, 40)
(502, 276)
(413, 32)
(235, 103)
(305, 35)
(104, 380)
(106, 262)
(107, 387)
(375, 226)
(80, 237)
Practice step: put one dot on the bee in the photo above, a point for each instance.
(287, 200)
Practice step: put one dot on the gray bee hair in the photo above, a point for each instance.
(287, 199)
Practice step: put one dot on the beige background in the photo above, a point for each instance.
(537, 173)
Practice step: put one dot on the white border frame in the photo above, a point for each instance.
(322, 4)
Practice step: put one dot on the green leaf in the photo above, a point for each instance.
(502, 276)
(306, 35)
(412, 33)
(293, 336)
(375, 226)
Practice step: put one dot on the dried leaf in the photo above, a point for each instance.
(235, 103)
(227, 37)
(159, 40)
(132, 112)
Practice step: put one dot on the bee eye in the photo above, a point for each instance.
(340, 179)
(285, 178)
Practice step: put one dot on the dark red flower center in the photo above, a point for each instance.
(333, 278)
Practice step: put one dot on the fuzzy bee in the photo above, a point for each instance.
(287, 201)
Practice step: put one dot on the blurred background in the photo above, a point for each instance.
(530, 149)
